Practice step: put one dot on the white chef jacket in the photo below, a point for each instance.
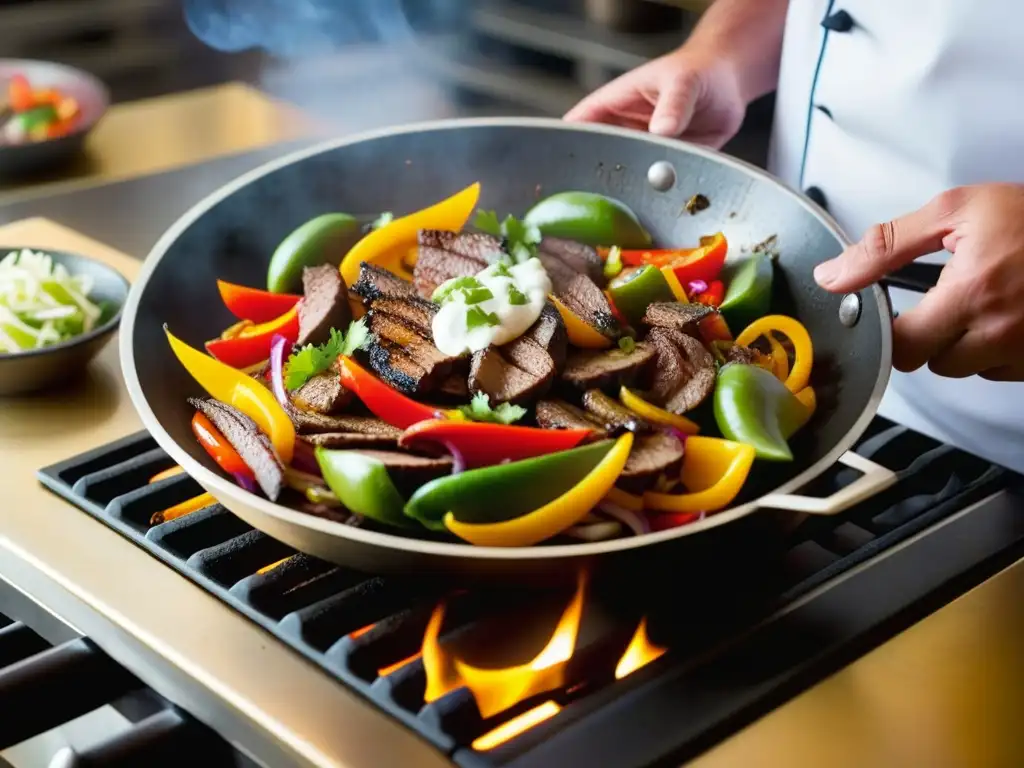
(882, 104)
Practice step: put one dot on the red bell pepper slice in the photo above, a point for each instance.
(714, 328)
(702, 263)
(255, 305)
(253, 346)
(662, 521)
(713, 295)
(384, 402)
(484, 444)
(220, 450)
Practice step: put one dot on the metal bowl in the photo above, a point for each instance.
(24, 372)
(93, 99)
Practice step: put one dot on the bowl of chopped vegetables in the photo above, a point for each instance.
(46, 111)
(57, 311)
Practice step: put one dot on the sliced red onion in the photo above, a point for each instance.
(458, 460)
(696, 286)
(635, 521)
(609, 529)
(246, 481)
(678, 434)
(304, 459)
(277, 347)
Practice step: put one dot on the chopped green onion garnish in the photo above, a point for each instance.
(477, 318)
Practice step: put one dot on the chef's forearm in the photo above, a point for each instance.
(749, 34)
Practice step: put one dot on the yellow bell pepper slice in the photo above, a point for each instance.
(780, 359)
(713, 472)
(673, 283)
(625, 500)
(224, 383)
(810, 401)
(580, 334)
(555, 516)
(800, 373)
(393, 246)
(656, 415)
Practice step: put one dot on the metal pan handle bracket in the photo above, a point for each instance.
(875, 479)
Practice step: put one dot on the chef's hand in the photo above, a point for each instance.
(972, 321)
(689, 94)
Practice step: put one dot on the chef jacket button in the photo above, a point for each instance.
(815, 194)
(824, 110)
(840, 21)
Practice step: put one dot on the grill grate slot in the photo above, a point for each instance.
(203, 529)
(230, 562)
(18, 642)
(355, 625)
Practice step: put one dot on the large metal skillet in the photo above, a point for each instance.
(232, 233)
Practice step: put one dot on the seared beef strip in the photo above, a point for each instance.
(376, 282)
(323, 394)
(455, 386)
(580, 295)
(549, 331)
(312, 423)
(251, 444)
(351, 440)
(611, 413)
(402, 353)
(408, 471)
(582, 258)
(745, 355)
(558, 414)
(324, 304)
(684, 373)
(652, 456)
(678, 316)
(607, 369)
(444, 255)
(517, 372)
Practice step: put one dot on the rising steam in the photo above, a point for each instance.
(299, 28)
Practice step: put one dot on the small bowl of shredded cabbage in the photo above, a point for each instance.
(57, 311)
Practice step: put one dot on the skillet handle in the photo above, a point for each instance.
(875, 479)
(915, 276)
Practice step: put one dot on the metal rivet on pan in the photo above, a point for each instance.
(662, 176)
(849, 310)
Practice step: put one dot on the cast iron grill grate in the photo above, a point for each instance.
(367, 631)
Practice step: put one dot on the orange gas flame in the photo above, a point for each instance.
(495, 690)
(640, 653)
(515, 726)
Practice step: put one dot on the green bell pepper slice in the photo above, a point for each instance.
(748, 293)
(587, 217)
(363, 485)
(633, 291)
(753, 407)
(504, 491)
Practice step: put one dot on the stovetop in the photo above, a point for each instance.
(660, 671)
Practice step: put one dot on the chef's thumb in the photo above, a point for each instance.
(885, 248)
(676, 101)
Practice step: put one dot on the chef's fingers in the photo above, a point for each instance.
(676, 103)
(604, 104)
(976, 351)
(886, 247)
(937, 322)
(1014, 372)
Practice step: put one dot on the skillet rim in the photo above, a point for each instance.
(222, 487)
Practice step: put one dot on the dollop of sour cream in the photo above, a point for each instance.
(494, 306)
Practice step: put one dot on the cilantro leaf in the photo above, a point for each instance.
(477, 318)
(315, 359)
(521, 239)
(479, 409)
(444, 291)
(516, 297)
(477, 295)
(383, 220)
(487, 221)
